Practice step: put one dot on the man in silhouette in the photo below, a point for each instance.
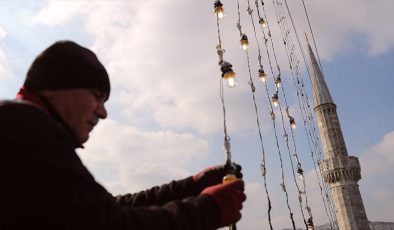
(46, 186)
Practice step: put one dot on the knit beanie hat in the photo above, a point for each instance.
(67, 65)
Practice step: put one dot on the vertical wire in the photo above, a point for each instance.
(263, 165)
(283, 125)
(277, 143)
(310, 115)
(295, 72)
(226, 138)
(313, 36)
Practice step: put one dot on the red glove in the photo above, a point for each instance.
(214, 175)
(229, 198)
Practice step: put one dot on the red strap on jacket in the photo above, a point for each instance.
(27, 95)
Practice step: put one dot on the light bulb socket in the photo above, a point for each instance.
(263, 22)
(217, 4)
(309, 224)
(300, 171)
(227, 71)
(275, 99)
(218, 8)
(278, 81)
(244, 41)
(292, 122)
(262, 74)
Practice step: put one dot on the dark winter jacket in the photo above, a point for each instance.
(44, 185)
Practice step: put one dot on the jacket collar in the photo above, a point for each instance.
(41, 103)
(27, 95)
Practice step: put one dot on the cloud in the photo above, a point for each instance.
(162, 63)
(377, 163)
(3, 58)
(56, 13)
(3, 33)
(348, 26)
(379, 158)
(3, 64)
(163, 70)
(127, 159)
(378, 204)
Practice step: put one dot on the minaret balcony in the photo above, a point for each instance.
(341, 168)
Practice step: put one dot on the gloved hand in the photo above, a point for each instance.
(214, 175)
(229, 198)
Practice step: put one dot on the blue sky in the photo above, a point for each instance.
(165, 118)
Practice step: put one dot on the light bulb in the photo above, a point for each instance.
(220, 13)
(262, 75)
(275, 99)
(262, 22)
(292, 123)
(228, 74)
(263, 170)
(300, 173)
(309, 224)
(278, 81)
(231, 82)
(244, 42)
(219, 10)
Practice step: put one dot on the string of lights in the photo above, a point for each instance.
(244, 45)
(294, 66)
(295, 71)
(227, 74)
(311, 123)
(291, 121)
(313, 36)
(303, 101)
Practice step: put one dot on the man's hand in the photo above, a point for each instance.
(214, 175)
(229, 198)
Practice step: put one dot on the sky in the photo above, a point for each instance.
(165, 115)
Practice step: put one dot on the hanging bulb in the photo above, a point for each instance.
(309, 224)
(278, 81)
(275, 99)
(219, 10)
(263, 170)
(300, 173)
(282, 185)
(228, 74)
(262, 22)
(244, 42)
(262, 75)
(292, 122)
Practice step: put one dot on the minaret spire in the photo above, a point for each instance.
(321, 94)
(341, 171)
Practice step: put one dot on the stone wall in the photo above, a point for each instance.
(376, 225)
(381, 225)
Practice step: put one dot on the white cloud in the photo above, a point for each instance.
(161, 58)
(127, 159)
(379, 206)
(383, 195)
(3, 64)
(3, 59)
(376, 170)
(56, 13)
(3, 33)
(379, 159)
(161, 65)
(343, 26)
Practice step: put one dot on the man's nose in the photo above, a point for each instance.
(101, 111)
